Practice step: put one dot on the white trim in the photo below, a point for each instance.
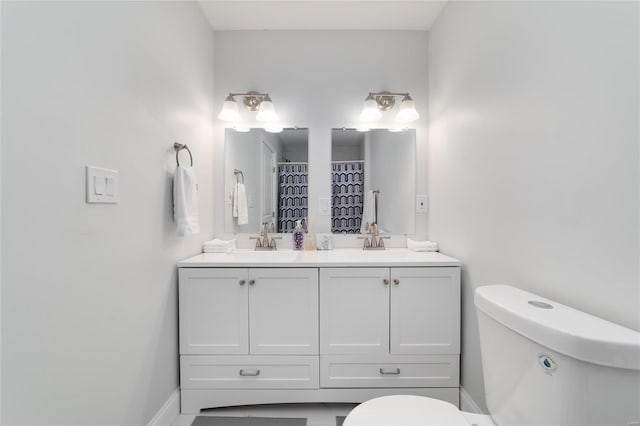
(468, 404)
(169, 411)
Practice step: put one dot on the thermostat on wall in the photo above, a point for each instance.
(102, 185)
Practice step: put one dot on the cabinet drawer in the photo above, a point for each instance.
(248, 372)
(399, 371)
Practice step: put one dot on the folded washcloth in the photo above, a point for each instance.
(218, 246)
(422, 245)
(185, 201)
(240, 206)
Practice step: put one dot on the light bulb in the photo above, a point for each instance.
(266, 111)
(229, 110)
(407, 112)
(370, 111)
(242, 128)
(274, 128)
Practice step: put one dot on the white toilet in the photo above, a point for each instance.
(544, 364)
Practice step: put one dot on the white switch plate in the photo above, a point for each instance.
(102, 185)
(324, 206)
(422, 204)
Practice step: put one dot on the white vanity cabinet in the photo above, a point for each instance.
(338, 326)
(395, 327)
(401, 311)
(242, 311)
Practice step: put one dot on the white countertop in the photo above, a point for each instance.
(327, 258)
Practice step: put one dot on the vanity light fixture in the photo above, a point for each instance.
(377, 102)
(253, 101)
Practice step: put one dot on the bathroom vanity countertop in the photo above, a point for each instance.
(326, 258)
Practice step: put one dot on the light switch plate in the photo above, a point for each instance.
(422, 204)
(102, 185)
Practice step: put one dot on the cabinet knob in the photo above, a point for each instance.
(395, 372)
(385, 281)
(242, 282)
(396, 281)
(252, 282)
(249, 372)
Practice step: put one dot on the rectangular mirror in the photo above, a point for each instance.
(266, 179)
(373, 180)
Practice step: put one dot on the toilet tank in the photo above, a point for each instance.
(548, 364)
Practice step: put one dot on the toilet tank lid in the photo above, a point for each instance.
(561, 328)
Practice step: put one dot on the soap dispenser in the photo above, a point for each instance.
(298, 236)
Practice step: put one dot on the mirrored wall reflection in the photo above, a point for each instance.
(266, 179)
(373, 178)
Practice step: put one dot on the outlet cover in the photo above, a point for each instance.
(422, 204)
(324, 206)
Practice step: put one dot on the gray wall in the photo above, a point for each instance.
(89, 292)
(319, 80)
(533, 148)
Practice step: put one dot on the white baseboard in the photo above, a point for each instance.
(169, 412)
(468, 404)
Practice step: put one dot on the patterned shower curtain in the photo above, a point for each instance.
(292, 195)
(347, 178)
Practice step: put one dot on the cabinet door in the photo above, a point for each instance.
(354, 310)
(213, 305)
(425, 311)
(283, 311)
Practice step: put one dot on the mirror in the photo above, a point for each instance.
(373, 180)
(266, 179)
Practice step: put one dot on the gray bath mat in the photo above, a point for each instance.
(340, 420)
(247, 421)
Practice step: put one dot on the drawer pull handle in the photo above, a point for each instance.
(249, 373)
(385, 281)
(252, 282)
(242, 282)
(396, 281)
(390, 373)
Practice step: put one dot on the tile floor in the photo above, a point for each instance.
(316, 414)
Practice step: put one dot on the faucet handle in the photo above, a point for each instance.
(258, 241)
(272, 244)
(381, 241)
(367, 243)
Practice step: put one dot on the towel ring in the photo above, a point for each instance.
(238, 172)
(179, 147)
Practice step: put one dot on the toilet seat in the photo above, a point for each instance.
(405, 410)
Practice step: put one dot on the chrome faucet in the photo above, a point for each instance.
(262, 242)
(376, 242)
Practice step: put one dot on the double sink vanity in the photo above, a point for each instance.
(344, 325)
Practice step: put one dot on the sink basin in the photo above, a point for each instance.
(263, 256)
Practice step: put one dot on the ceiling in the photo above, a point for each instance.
(227, 15)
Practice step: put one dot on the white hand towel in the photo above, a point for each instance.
(422, 245)
(368, 211)
(219, 246)
(240, 207)
(185, 201)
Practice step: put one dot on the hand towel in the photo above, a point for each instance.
(219, 246)
(240, 207)
(422, 245)
(185, 201)
(368, 211)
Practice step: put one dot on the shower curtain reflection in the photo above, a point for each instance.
(292, 194)
(347, 187)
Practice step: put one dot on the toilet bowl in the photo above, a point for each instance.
(412, 410)
(543, 364)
